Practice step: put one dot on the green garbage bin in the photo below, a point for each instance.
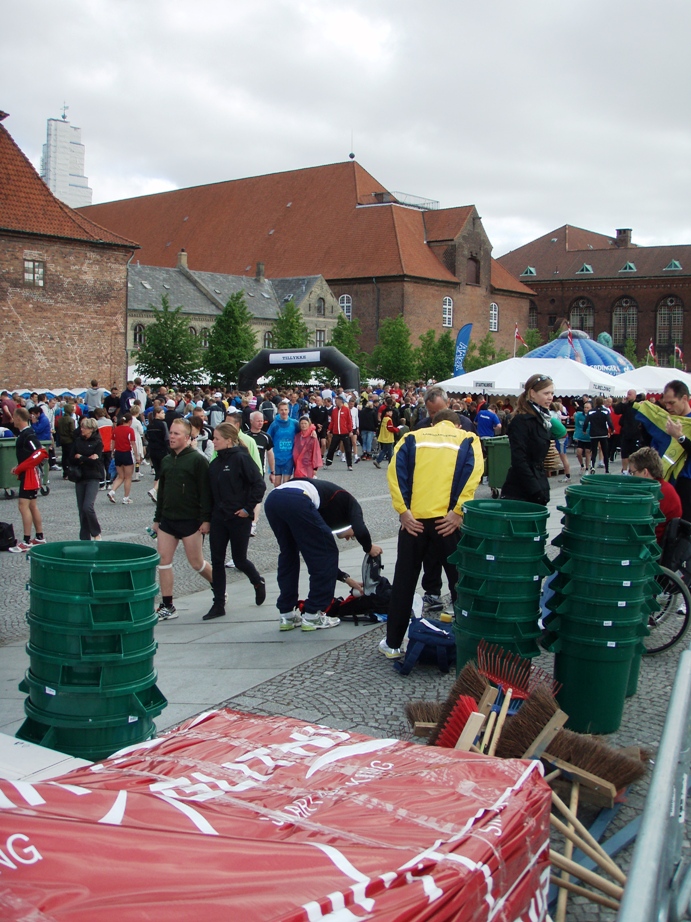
(9, 482)
(498, 461)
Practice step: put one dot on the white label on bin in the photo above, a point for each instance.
(132, 719)
(626, 563)
(610, 643)
(536, 538)
(464, 613)
(489, 557)
(50, 691)
(607, 623)
(627, 582)
(621, 604)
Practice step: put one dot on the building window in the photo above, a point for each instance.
(345, 302)
(582, 315)
(472, 271)
(204, 337)
(532, 316)
(628, 267)
(669, 330)
(447, 312)
(529, 270)
(673, 266)
(268, 340)
(493, 317)
(624, 322)
(34, 273)
(321, 307)
(139, 334)
(586, 269)
(320, 338)
(193, 331)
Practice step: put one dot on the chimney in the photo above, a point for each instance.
(259, 277)
(623, 237)
(182, 259)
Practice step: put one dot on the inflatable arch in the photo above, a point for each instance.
(328, 356)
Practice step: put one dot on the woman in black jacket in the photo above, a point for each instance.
(158, 444)
(599, 424)
(531, 432)
(87, 455)
(236, 487)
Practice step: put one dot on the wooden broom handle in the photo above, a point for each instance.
(615, 870)
(595, 856)
(500, 721)
(562, 899)
(588, 877)
(583, 891)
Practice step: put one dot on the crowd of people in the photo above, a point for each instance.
(211, 452)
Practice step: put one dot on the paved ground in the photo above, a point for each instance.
(336, 678)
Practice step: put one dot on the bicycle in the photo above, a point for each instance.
(668, 625)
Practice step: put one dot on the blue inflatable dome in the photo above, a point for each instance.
(584, 350)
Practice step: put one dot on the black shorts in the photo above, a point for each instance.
(628, 446)
(580, 443)
(179, 528)
(123, 458)
(26, 494)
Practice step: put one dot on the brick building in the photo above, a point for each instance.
(600, 283)
(203, 295)
(63, 285)
(380, 256)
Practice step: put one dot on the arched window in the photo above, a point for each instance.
(669, 328)
(321, 307)
(193, 331)
(472, 271)
(345, 302)
(204, 337)
(268, 340)
(493, 317)
(532, 316)
(582, 315)
(624, 322)
(139, 334)
(447, 312)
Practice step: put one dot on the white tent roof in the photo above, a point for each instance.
(507, 379)
(651, 379)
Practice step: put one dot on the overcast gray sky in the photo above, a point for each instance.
(540, 112)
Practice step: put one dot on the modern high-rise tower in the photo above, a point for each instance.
(62, 163)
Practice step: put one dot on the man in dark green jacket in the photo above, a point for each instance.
(183, 511)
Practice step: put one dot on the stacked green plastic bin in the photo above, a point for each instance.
(604, 594)
(91, 679)
(498, 453)
(501, 563)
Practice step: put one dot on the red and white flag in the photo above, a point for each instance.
(679, 354)
(570, 337)
(651, 350)
(520, 339)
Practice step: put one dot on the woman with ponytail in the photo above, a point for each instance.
(531, 433)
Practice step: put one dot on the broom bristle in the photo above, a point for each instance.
(521, 729)
(597, 757)
(469, 682)
(453, 727)
(509, 670)
(423, 712)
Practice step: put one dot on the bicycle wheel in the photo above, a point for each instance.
(668, 625)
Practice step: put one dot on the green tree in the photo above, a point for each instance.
(533, 339)
(344, 337)
(630, 353)
(289, 332)
(483, 353)
(435, 357)
(393, 359)
(170, 353)
(232, 341)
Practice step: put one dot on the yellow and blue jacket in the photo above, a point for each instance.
(435, 470)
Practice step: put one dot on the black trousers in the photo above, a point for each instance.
(336, 440)
(235, 530)
(432, 548)
(603, 441)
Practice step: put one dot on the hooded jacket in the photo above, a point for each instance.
(235, 483)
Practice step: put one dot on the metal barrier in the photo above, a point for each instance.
(659, 887)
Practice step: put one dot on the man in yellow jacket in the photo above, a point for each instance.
(433, 472)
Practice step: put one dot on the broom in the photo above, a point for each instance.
(508, 670)
(469, 683)
(453, 726)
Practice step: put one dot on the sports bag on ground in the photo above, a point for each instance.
(7, 538)
(429, 641)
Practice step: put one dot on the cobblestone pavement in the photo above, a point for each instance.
(352, 687)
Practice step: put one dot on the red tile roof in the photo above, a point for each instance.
(561, 253)
(322, 220)
(447, 223)
(27, 205)
(502, 280)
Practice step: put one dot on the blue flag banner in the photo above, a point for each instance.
(462, 341)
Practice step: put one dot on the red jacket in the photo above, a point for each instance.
(341, 421)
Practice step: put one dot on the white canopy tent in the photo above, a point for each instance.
(507, 379)
(650, 379)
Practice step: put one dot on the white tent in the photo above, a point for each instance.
(651, 379)
(507, 379)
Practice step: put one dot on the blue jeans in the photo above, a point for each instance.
(299, 529)
(385, 452)
(366, 438)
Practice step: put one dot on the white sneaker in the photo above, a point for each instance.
(153, 494)
(356, 458)
(389, 652)
(126, 501)
(253, 530)
(565, 479)
(288, 621)
(111, 496)
(318, 620)
(136, 478)
(229, 563)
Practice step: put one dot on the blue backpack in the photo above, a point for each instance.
(429, 641)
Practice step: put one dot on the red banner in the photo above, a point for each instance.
(235, 816)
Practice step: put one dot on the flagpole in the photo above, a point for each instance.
(515, 337)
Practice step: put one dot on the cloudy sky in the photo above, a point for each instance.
(541, 112)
